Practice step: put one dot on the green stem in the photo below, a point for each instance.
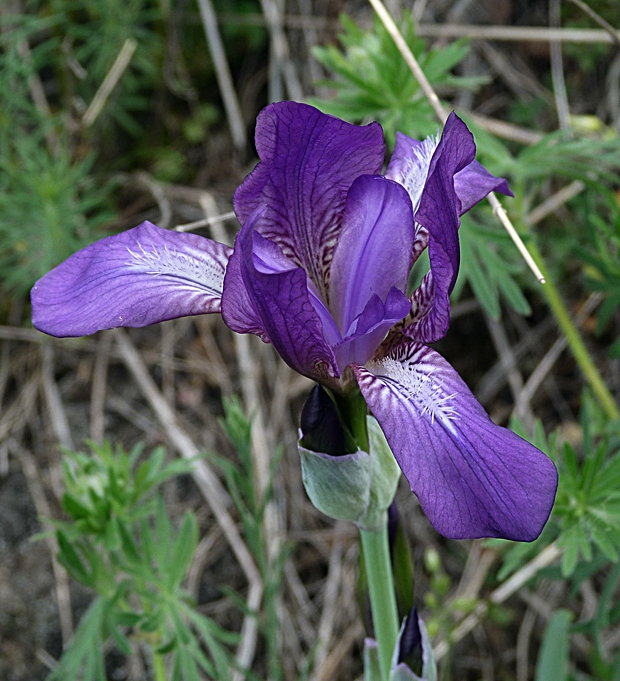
(353, 410)
(574, 339)
(375, 546)
(382, 596)
(159, 667)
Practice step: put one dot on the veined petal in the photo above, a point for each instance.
(474, 182)
(308, 163)
(277, 303)
(137, 278)
(238, 310)
(371, 327)
(374, 250)
(473, 478)
(410, 163)
(439, 214)
(269, 259)
(429, 320)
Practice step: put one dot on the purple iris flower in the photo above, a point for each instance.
(319, 269)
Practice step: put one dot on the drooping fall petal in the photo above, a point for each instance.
(308, 163)
(137, 278)
(472, 477)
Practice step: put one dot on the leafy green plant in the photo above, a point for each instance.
(586, 513)
(50, 204)
(554, 651)
(240, 477)
(121, 543)
(50, 207)
(374, 83)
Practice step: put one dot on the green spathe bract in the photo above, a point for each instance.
(358, 486)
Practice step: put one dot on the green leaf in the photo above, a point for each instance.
(181, 552)
(71, 561)
(128, 545)
(474, 272)
(74, 507)
(86, 649)
(554, 652)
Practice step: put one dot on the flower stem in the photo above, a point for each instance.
(376, 548)
(382, 596)
(574, 339)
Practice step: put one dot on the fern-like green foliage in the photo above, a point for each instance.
(50, 204)
(120, 542)
(373, 82)
(50, 207)
(586, 515)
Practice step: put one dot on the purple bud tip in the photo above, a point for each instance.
(410, 647)
(321, 428)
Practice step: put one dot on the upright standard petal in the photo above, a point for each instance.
(474, 182)
(308, 162)
(374, 250)
(371, 327)
(278, 304)
(136, 278)
(473, 478)
(410, 164)
(439, 214)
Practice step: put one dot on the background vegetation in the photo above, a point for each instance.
(112, 112)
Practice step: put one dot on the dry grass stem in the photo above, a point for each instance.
(222, 72)
(442, 115)
(545, 558)
(613, 32)
(529, 34)
(514, 33)
(157, 192)
(281, 52)
(510, 365)
(55, 407)
(205, 222)
(37, 93)
(555, 201)
(109, 82)
(200, 559)
(528, 390)
(507, 131)
(557, 69)
(523, 645)
(330, 604)
(99, 386)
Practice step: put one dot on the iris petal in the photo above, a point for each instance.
(277, 304)
(473, 478)
(308, 163)
(370, 328)
(374, 250)
(439, 214)
(474, 182)
(137, 278)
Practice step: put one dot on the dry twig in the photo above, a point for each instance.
(222, 73)
(109, 82)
